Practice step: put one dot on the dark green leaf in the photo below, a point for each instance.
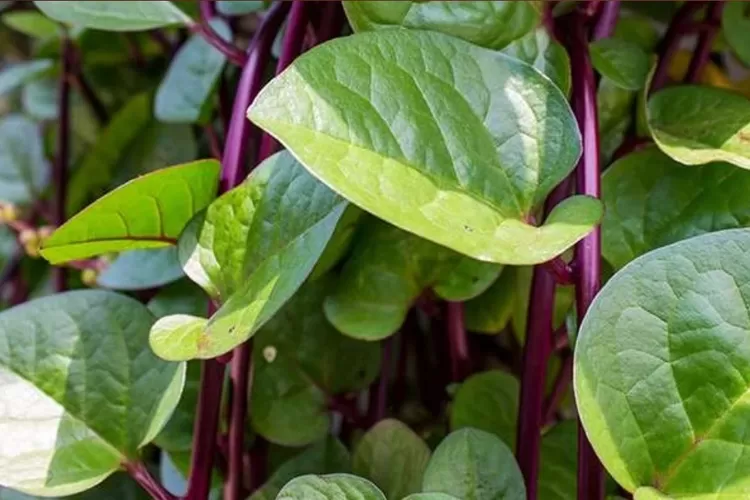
(16, 75)
(340, 242)
(177, 434)
(24, 172)
(430, 496)
(181, 297)
(615, 108)
(541, 51)
(115, 15)
(491, 311)
(80, 393)
(141, 269)
(559, 462)
(469, 174)
(736, 28)
(330, 487)
(393, 457)
(624, 63)
(147, 212)
(662, 364)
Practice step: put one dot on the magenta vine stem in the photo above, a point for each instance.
(292, 47)
(705, 43)
(457, 340)
(241, 382)
(143, 477)
(669, 45)
(232, 53)
(587, 254)
(605, 25)
(60, 167)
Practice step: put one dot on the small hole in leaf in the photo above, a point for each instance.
(269, 353)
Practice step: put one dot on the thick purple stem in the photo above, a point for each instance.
(605, 25)
(587, 255)
(293, 40)
(705, 43)
(143, 477)
(60, 168)
(241, 380)
(458, 342)
(668, 47)
(232, 53)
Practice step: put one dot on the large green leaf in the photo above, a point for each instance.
(696, 125)
(558, 464)
(545, 54)
(147, 212)
(80, 393)
(184, 93)
(32, 24)
(489, 24)
(624, 63)
(662, 364)
(251, 250)
(13, 76)
(388, 269)
(327, 456)
(393, 457)
(298, 365)
(24, 172)
(330, 487)
(115, 15)
(141, 269)
(452, 142)
(652, 201)
(736, 29)
(474, 465)
(488, 401)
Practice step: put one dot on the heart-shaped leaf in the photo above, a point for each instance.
(184, 93)
(474, 465)
(463, 169)
(251, 250)
(13, 76)
(330, 487)
(652, 201)
(488, 401)
(697, 125)
(147, 212)
(24, 172)
(80, 393)
(297, 359)
(662, 363)
(736, 29)
(624, 63)
(142, 269)
(488, 24)
(388, 269)
(545, 54)
(393, 457)
(115, 16)
(324, 457)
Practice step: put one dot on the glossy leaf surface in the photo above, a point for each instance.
(115, 16)
(545, 54)
(625, 63)
(330, 487)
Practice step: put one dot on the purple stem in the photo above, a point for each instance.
(587, 256)
(241, 381)
(605, 26)
(558, 389)
(78, 80)
(232, 53)
(60, 168)
(293, 40)
(458, 342)
(668, 47)
(705, 43)
(379, 404)
(143, 477)
(331, 23)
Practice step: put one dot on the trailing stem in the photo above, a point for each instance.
(60, 169)
(681, 22)
(143, 477)
(705, 43)
(232, 53)
(457, 341)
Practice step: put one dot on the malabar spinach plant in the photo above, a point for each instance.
(355, 250)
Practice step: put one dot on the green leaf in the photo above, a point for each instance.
(184, 93)
(80, 393)
(637, 29)
(177, 434)
(430, 496)
(488, 401)
(652, 201)
(558, 464)
(251, 250)
(474, 465)
(181, 297)
(119, 485)
(297, 359)
(15, 75)
(330, 487)
(115, 15)
(697, 125)
(490, 312)
(538, 49)
(239, 7)
(327, 456)
(488, 24)
(735, 24)
(615, 112)
(24, 172)
(466, 180)
(387, 270)
(624, 63)
(393, 457)
(39, 98)
(341, 241)
(32, 24)
(662, 362)
(142, 269)
(147, 212)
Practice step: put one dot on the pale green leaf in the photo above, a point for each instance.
(697, 125)
(488, 401)
(147, 212)
(545, 54)
(133, 15)
(80, 393)
(24, 171)
(330, 487)
(388, 269)
(40, 99)
(369, 115)
(624, 63)
(488, 24)
(662, 364)
(474, 465)
(32, 24)
(15, 75)
(239, 7)
(142, 269)
(393, 457)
